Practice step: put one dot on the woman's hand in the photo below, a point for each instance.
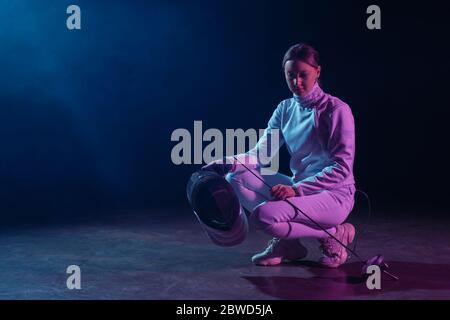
(281, 192)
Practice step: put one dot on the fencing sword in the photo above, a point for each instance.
(377, 260)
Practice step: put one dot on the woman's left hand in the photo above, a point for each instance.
(281, 192)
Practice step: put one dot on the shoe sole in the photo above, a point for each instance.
(268, 262)
(351, 233)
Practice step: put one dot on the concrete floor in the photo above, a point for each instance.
(144, 257)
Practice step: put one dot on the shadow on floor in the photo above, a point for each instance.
(346, 282)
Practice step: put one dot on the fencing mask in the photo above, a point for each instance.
(217, 208)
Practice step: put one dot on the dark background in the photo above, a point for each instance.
(86, 116)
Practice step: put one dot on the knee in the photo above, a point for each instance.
(262, 216)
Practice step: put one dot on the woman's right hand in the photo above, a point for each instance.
(219, 166)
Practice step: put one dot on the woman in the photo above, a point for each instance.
(318, 130)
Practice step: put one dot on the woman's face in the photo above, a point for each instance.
(300, 76)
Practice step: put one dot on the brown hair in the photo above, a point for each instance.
(304, 53)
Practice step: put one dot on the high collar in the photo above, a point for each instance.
(311, 98)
